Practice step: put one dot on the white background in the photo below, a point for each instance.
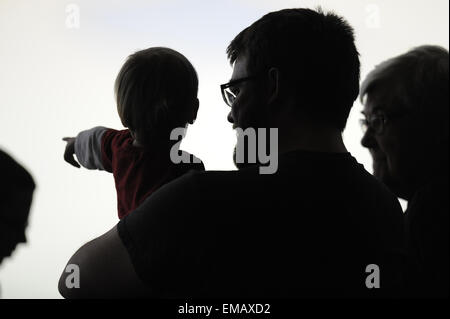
(57, 79)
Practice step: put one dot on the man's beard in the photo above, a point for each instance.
(255, 118)
(240, 165)
(249, 153)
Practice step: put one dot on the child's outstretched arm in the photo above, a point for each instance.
(69, 152)
(87, 146)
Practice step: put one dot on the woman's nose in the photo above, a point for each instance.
(368, 140)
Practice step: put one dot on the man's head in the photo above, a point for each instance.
(406, 106)
(156, 91)
(16, 193)
(300, 64)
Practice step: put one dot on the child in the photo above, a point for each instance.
(156, 91)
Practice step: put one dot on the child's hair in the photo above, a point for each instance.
(156, 91)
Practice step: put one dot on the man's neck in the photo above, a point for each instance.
(314, 139)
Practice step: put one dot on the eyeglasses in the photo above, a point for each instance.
(229, 91)
(374, 122)
(377, 122)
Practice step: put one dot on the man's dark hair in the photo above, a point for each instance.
(315, 54)
(16, 194)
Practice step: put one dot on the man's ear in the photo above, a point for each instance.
(193, 115)
(273, 84)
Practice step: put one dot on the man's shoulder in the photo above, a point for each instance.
(215, 183)
(431, 200)
(193, 163)
(381, 214)
(210, 178)
(369, 186)
(381, 201)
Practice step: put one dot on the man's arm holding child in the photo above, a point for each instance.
(104, 269)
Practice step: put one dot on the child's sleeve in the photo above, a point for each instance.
(88, 148)
(111, 143)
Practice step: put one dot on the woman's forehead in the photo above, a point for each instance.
(387, 100)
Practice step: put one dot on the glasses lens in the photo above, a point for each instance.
(229, 96)
(374, 123)
(363, 124)
(377, 125)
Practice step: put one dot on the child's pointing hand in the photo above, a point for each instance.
(70, 151)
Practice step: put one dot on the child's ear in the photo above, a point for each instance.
(193, 115)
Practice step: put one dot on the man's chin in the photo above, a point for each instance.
(243, 165)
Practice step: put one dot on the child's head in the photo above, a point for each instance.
(156, 91)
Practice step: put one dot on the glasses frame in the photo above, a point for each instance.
(224, 87)
(368, 122)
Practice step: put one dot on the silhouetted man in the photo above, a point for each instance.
(16, 193)
(310, 226)
(406, 108)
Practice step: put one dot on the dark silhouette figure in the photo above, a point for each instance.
(16, 193)
(316, 227)
(406, 120)
(156, 91)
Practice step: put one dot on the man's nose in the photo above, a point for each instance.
(368, 140)
(230, 118)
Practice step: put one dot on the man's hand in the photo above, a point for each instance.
(70, 151)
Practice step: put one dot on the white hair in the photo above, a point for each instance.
(416, 76)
